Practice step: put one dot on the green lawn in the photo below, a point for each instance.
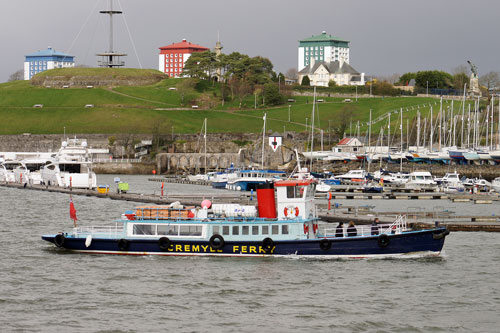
(142, 109)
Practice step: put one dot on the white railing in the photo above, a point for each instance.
(398, 226)
(99, 230)
(116, 160)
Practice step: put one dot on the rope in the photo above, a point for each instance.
(81, 29)
(129, 34)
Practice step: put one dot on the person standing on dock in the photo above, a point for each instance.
(375, 227)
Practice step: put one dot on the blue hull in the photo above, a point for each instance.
(219, 184)
(428, 241)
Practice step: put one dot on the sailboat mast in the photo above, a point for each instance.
(463, 118)
(312, 127)
(205, 137)
(432, 132)
(263, 139)
(401, 136)
(369, 140)
(418, 130)
(440, 122)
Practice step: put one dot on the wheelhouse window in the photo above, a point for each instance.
(265, 230)
(236, 230)
(275, 229)
(245, 230)
(171, 230)
(144, 229)
(190, 230)
(255, 230)
(295, 191)
(215, 230)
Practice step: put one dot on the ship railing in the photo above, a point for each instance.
(99, 230)
(398, 226)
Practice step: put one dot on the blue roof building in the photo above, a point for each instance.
(40, 61)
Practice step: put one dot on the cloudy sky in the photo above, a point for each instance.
(387, 36)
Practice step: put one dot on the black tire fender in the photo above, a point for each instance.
(164, 243)
(216, 242)
(268, 244)
(59, 240)
(325, 244)
(383, 240)
(441, 234)
(123, 244)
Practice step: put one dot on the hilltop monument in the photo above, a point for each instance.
(474, 81)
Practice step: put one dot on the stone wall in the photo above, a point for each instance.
(96, 81)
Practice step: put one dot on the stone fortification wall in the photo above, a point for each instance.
(95, 81)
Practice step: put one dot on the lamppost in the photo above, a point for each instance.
(356, 93)
(427, 88)
(289, 106)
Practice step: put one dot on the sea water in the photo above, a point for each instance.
(46, 289)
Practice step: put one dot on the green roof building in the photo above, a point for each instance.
(322, 48)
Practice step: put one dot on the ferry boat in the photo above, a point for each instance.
(283, 224)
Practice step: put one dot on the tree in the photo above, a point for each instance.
(305, 81)
(292, 74)
(460, 77)
(17, 75)
(384, 89)
(342, 120)
(185, 87)
(490, 80)
(240, 88)
(332, 83)
(201, 65)
(434, 79)
(272, 95)
(406, 78)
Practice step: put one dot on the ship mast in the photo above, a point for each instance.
(110, 58)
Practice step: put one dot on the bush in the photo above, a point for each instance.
(332, 84)
(305, 81)
(272, 95)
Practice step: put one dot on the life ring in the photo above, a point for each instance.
(123, 244)
(216, 242)
(291, 211)
(306, 228)
(164, 243)
(59, 240)
(268, 244)
(325, 244)
(383, 240)
(441, 234)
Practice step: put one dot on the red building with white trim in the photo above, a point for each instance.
(173, 57)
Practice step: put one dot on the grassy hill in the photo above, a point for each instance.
(144, 109)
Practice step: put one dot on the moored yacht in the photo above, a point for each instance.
(71, 167)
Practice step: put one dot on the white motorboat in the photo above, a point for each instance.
(421, 180)
(495, 184)
(72, 167)
(353, 176)
(13, 171)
